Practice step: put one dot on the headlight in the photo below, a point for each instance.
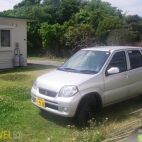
(68, 91)
(35, 85)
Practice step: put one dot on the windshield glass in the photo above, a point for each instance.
(86, 61)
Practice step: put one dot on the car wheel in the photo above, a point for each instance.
(86, 111)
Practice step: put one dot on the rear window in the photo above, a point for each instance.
(135, 58)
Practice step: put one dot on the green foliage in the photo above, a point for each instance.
(105, 8)
(82, 17)
(27, 3)
(49, 33)
(66, 9)
(51, 36)
(95, 17)
(62, 24)
(17, 113)
(120, 37)
(133, 19)
(135, 25)
(54, 3)
(74, 35)
(107, 25)
(34, 42)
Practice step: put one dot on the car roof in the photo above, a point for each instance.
(110, 48)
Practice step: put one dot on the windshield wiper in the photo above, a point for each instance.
(88, 71)
(67, 69)
(70, 69)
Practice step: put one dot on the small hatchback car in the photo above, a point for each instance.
(91, 79)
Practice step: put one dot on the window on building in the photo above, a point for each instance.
(5, 38)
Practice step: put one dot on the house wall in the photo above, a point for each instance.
(18, 29)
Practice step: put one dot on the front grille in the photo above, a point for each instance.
(47, 92)
(42, 91)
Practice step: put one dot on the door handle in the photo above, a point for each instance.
(125, 76)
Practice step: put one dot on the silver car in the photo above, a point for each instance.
(91, 79)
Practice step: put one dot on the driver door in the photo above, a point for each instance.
(117, 85)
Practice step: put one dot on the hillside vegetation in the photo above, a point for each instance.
(65, 26)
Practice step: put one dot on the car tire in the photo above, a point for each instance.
(86, 111)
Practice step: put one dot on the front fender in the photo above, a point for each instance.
(93, 90)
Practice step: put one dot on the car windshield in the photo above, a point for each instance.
(86, 61)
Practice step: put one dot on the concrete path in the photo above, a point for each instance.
(45, 62)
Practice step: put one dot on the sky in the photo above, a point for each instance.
(131, 7)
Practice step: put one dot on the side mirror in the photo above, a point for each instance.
(113, 70)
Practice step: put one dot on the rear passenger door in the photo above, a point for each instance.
(135, 75)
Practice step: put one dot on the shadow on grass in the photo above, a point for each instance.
(120, 111)
(29, 67)
(115, 113)
(59, 120)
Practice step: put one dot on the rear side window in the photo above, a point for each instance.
(135, 59)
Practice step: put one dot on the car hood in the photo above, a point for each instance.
(56, 79)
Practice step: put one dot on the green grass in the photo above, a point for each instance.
(19, 116)
(46, 58)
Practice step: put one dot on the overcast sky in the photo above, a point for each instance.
(130, 6)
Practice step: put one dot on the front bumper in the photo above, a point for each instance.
(57, 105)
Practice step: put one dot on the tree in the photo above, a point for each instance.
(34, 41)
(105, 8)
(51, 36)
(27, 3)
(95, 17)
(82, 17)
(66, 9)
(120, 37)
(107, 25)
(133, 19)
(62, 24)
(75, 34)
(135, 25)
(54, 3)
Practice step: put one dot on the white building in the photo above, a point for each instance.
(13, 33)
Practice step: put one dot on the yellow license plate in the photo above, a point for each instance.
(40, 102)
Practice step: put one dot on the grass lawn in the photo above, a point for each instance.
(46, 58)
(21, 121)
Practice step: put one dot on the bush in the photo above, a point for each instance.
(120, 37)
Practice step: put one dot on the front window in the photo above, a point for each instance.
(86, 61)
(118, 60)
(5, 38)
